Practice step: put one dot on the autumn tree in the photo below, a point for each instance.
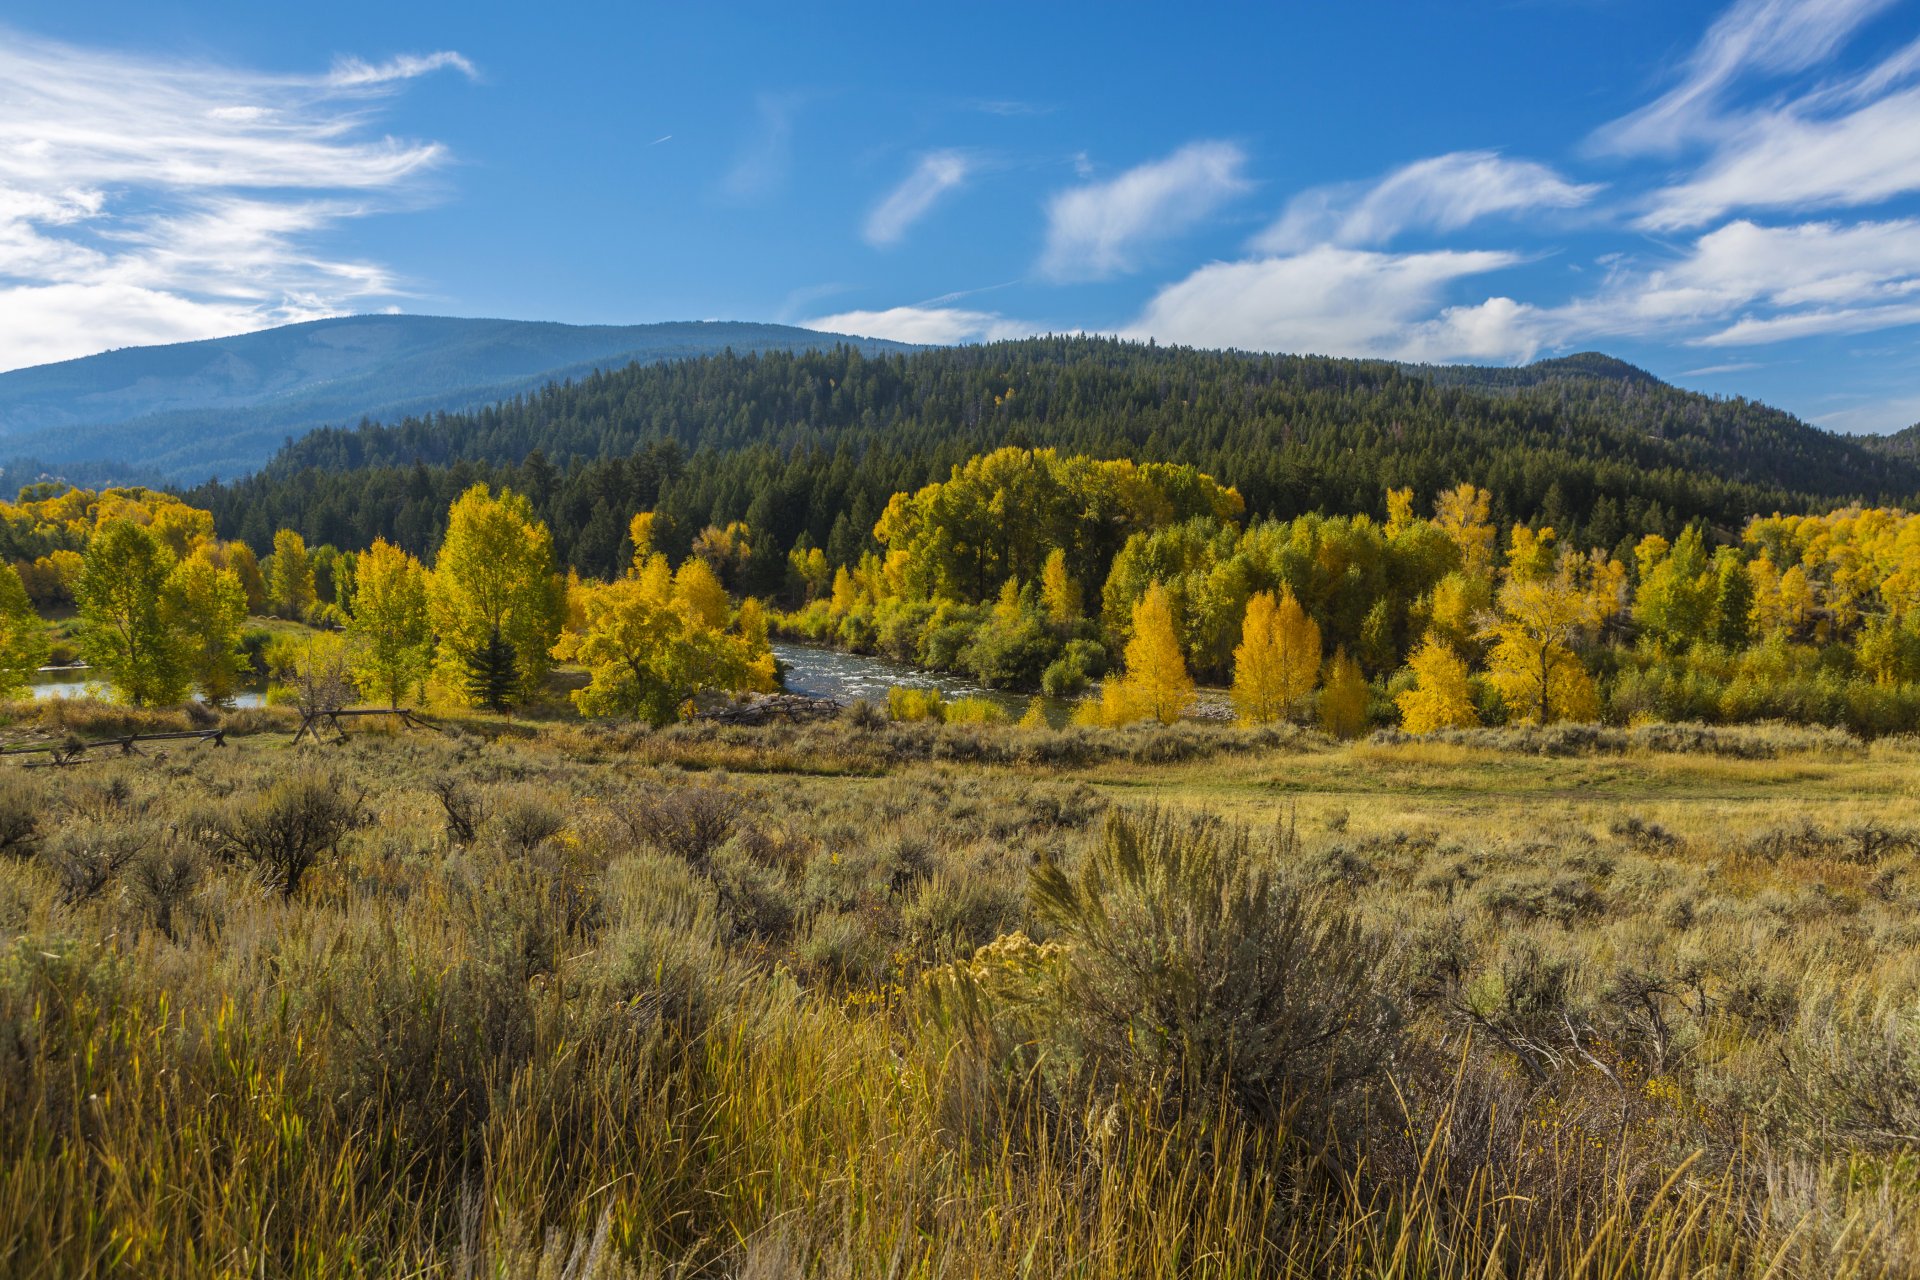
(1058, 591)
(655, 640)
(1441, 697)
(390, 626)
(125, 625)
(207, 609)
(1155, 684)
(1543, 618)
(290, 575)
(494, 598)
(24, 643)
(1278, 660)
(1344, 698)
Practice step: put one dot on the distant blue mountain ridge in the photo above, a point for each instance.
(187, 411)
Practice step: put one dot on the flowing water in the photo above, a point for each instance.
(819, 672)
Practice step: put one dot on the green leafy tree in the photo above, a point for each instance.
(24, 643)
(126, 627)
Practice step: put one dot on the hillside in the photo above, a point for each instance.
(222, 406)
(815, 443)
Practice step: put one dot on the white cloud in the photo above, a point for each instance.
(1715, 370)
(934, 326)
(1098, 230)
(938, 173)
(1747, 284)
(1769, 36)
(1444, 193)
(353, 73)
(1337, 301)
(1787, 159)
(151, 201)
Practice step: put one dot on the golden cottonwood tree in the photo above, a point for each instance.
(1058, 591)
(494, 598)
(1344, 698)
(1543, 617)
(1441, 697)
(290, 575)
(390, 626)
(653, 641)
(1277, 662)
(1155, 684)
(208, 610)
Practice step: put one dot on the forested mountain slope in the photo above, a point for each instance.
(222, 406)
(816, 442)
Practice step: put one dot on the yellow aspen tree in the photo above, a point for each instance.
(209, 608)
(1399, 511)
(389, 624)
(640, 534)
(1278, 660)
(1058, 591)
(697, 589)
(1540, 623)
(1344, 698)
(1155, 684)
(494, 597)
(1464, 515)
(845, 594)
(290, 577)
(1440, 698)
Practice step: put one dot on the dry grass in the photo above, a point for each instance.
(713, 1002)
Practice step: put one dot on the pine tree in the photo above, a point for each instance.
(492, 678)
(1441, 698)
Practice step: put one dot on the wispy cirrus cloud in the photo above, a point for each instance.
(146, 201)
(937, 174)
(1751, 37)
(1098, 230)
(1441, 193)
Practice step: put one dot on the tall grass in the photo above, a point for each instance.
(620, 1020)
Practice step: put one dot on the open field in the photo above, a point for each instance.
(917, 1000)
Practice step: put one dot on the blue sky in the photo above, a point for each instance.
(1727, 194)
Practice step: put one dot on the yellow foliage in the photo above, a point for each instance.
(1344, 699)
(1058, 591)
(1278, 659)
(1441, 697)
(1464, 515)
(1156, 685)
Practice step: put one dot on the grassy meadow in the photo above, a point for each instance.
(861, 998)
